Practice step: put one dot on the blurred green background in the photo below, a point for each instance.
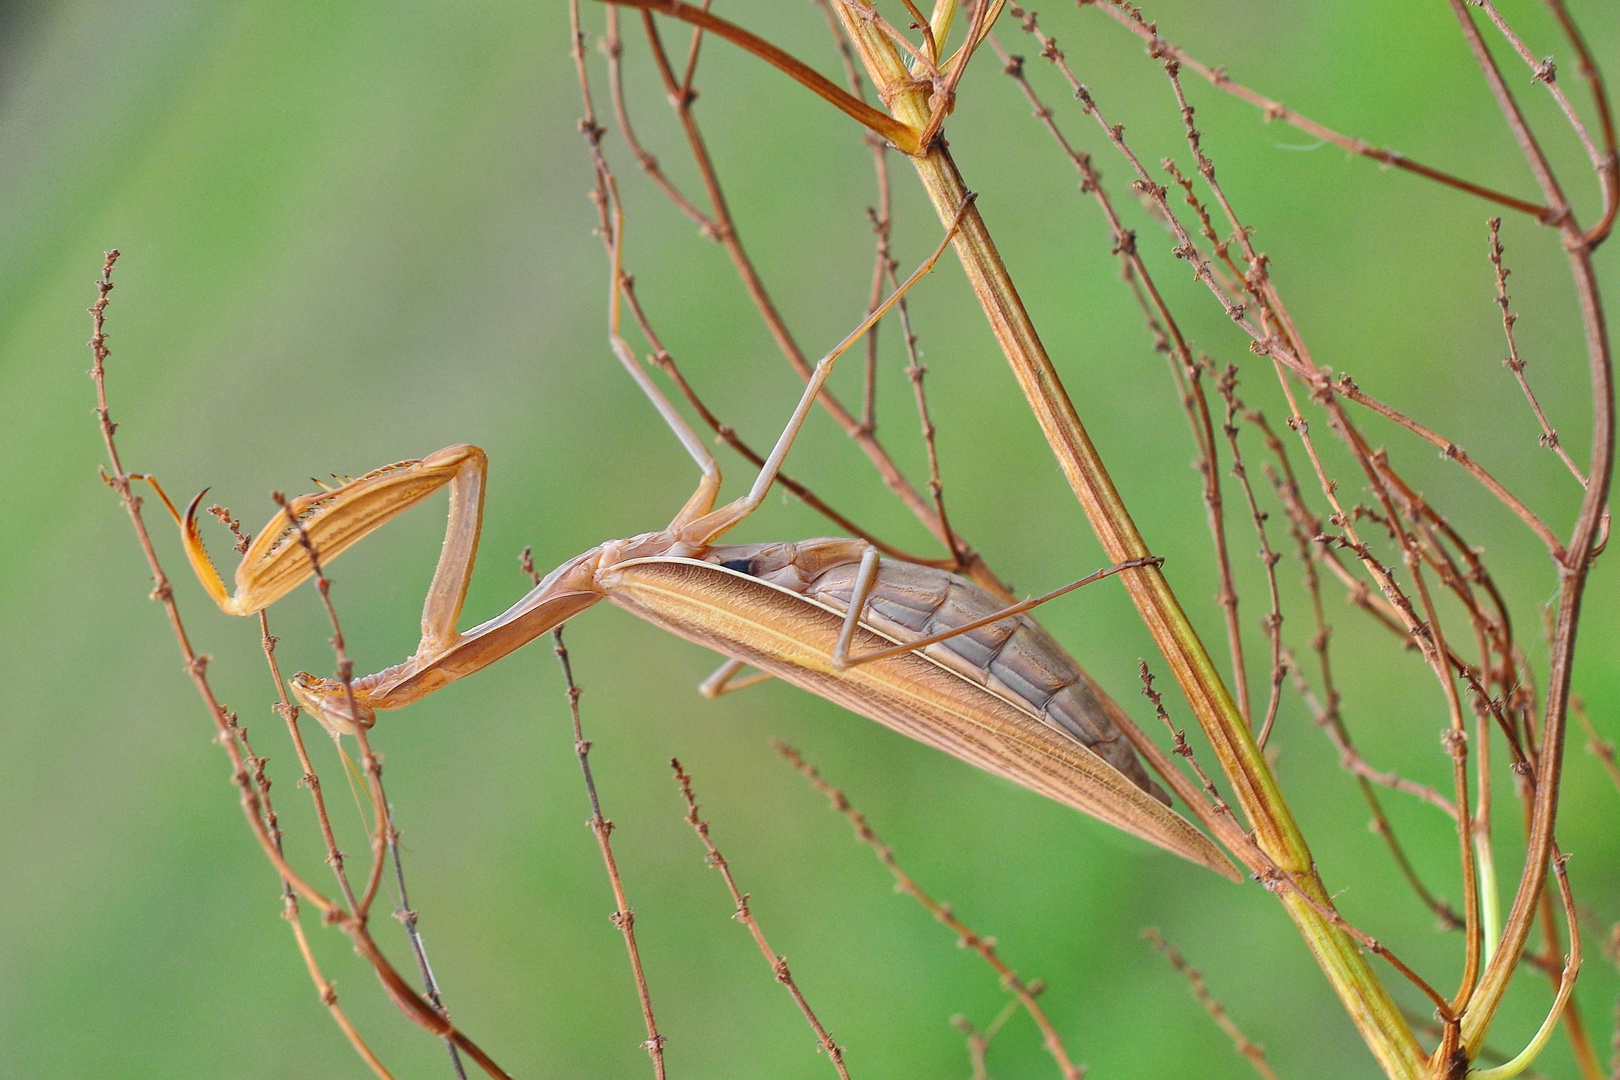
(354, 233)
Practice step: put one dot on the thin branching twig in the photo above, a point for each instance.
(966, 937)
(745, 915)
(1255, 1053)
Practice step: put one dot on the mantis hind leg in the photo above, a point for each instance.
(724, 680)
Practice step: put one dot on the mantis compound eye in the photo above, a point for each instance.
(328, 702)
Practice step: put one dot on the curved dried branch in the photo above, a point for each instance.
(745, 915)
(1132, 19)
(887, 126)
(985, 947)
(1546, 72)
(623, 917)
(1255, 1053)
(1515, 363)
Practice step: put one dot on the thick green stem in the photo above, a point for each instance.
(1364, 996)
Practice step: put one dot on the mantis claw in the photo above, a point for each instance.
(197, 554)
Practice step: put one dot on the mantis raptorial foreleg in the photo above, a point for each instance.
(334, 519)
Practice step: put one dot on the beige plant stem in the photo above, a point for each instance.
(1368, 1003)
(1575, 566)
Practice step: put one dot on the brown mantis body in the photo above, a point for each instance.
(919, 649)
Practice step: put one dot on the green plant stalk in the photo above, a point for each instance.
(1365, 998)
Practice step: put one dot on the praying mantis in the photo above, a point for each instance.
(919, 649)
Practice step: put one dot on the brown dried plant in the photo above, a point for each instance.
(1396, 557)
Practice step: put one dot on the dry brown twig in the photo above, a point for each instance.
(1271, 875)
(1515, 363)
(1255, 1053)
(966, 937)
(1185, 369)
(978, 1042)
(1132, 19)
(745, 915)
(1281, 343)
(623, 916)
(386, 833)
(1327, 712)
(1273, 621)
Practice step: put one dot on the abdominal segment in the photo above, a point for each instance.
(1014, 658)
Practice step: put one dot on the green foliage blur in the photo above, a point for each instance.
(353, 233)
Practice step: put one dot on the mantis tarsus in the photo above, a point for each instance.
(919, 649)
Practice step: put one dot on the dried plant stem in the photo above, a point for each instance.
(1273, 622)
(1254, 283)
(717, 224)
(1365, 998)
(978, 1042)
(310, 780)
(623, 916)
(1546, 73)
(289, 901)
(1187, 372)
(328, 993)
(914, 371)
(1473, 844)
(1217, 1012)
(1609, 170)
(985, 947)
(745, 915)
(1274, 877)
(1351, 760)
(353, 921)
(1452, 452)
(1596, 744)
(1515, 363)
(1327, 713)
(386, 835)
(1289, 354)
(407, 916)
(1575, 566)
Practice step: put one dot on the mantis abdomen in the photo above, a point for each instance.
(777, 607)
